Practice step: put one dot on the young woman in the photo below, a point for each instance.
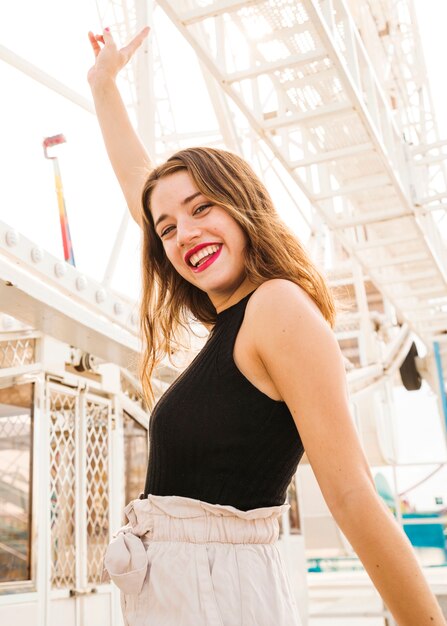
(227, 436)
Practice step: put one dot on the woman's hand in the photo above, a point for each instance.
(110, 59)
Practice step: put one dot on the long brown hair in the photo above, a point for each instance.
(168, 301)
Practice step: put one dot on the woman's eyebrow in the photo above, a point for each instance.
(160, 219)
(189, 198)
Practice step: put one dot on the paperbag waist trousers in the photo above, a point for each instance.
(185, 562)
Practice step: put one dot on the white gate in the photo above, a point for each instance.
(79, 431)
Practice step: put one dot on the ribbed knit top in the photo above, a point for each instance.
(217, 438)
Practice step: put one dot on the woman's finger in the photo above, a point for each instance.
(107, 35)
(136, 42)
(94, 43)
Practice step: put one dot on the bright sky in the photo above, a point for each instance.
(52, 34)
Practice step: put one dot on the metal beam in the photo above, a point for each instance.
(332, 155)
(424, 307)
(276, 66)
(392, 280)
(218, 7)
(387, 241)
(424, 148)
(431, 159)
(372, 218)
(54, 275)
(429, 317)
(432, 326)
(45, 79)
(410, 258)
(369, 183)
(429, 199)
(143, 64)
(298, 118)
(427, 291)
(39, 305)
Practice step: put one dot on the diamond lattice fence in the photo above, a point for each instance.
(97, 473)
(62, 488)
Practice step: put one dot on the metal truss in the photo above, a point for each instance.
(302, 77)
(307, 87)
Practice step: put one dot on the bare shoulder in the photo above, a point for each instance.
(284, 321)
(282, 301)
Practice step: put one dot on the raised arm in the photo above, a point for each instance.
(301, 354)
(129, 159)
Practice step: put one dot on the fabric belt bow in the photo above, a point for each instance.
(125, 561)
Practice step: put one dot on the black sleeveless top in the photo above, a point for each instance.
(217, 438)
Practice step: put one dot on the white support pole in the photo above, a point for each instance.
(368, 346)
(144, 70)
(81, 494)
(116, 250)
(351, 51)
(41, 486)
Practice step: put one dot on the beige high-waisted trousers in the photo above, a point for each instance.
(184, 562)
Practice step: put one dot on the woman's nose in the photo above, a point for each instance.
(186, 233)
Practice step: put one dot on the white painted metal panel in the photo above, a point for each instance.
(19, 613)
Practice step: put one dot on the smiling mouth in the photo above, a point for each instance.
(202, 254)
(198, 263)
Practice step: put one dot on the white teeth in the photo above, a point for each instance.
(195, 258)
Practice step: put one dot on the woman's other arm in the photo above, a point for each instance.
(301, 354)
(129, 159)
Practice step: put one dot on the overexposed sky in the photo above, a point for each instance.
(52, 34)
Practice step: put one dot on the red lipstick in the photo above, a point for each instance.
(199, 247)
(206, 263)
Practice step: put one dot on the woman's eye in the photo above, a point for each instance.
(201, 208)
(166, 231)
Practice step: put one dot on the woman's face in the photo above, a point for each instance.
(201, 240)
